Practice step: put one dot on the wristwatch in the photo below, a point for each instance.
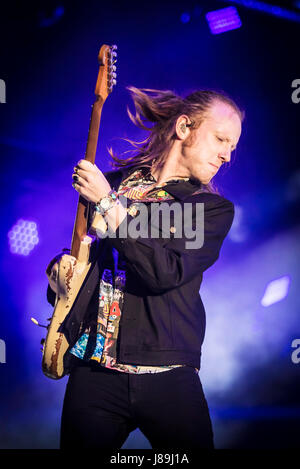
(106, 202)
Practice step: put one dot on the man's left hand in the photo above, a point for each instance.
(89, 181)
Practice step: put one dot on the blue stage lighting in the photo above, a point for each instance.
(264, 7)
(223, 20)
(276, 291)
(46, 21)
(23, 237)
(185, 17)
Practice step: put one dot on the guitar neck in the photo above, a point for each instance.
(106, 80)
(81, 219)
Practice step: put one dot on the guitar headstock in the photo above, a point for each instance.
(107, 71)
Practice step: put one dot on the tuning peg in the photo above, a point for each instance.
(112, 74)
(112, 53)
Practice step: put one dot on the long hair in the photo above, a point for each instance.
(156, 112)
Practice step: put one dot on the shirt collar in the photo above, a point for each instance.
(182, 189)
(178, 188)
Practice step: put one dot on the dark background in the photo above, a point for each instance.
(48, 61)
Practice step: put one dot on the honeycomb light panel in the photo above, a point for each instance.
(23, 237)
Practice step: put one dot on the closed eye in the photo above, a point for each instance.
(223, 140)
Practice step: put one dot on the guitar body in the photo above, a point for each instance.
(68, 274)
(66, 279)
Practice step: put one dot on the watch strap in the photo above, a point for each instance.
(107, 202)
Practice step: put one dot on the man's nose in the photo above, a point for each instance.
(225, 156)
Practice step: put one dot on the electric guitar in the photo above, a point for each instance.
(68, 274)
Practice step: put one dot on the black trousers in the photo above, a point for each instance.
(102, 406)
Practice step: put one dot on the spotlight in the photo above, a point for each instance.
(23, 237)
(270, 9)
(223, 20)
(49, 20)
(185, 17)
(276, 291)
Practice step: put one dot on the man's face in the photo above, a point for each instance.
(211, 144)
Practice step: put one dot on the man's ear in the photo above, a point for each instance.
(182, 129)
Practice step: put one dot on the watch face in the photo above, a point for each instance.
(105, 203)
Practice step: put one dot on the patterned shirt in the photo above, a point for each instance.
(111, 288)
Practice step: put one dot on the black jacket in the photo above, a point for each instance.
(163, 317)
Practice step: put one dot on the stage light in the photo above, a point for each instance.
(276, 291)
(46, 21)
(23, 237)
(185, 17)
(264, 7)
(223, 20)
